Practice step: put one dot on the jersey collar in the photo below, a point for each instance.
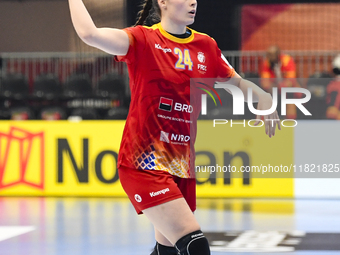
(174, 38)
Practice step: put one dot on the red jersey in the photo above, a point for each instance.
(160, 129)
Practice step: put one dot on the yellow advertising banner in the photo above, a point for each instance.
(60, 158)
(39, 158)
(233, 151)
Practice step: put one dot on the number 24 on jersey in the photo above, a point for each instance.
(184, 59)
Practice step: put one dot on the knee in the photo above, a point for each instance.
(194, 243)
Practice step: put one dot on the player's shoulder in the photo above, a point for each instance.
(202, 36)
(146, 30)
(138, 31)
(140, 28)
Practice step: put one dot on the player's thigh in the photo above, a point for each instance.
(173, 219)
(160, 238)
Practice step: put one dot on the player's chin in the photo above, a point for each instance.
(190, 21)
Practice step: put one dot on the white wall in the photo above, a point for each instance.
(317, 142)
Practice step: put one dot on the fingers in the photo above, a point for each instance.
(274, 126)
(270, 128)
(258, 120)
(278, 122)
(271, 121)
(267, 125)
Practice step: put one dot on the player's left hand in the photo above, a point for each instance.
(270, 121)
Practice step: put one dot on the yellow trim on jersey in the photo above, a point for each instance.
(194, 31)
(174, 38)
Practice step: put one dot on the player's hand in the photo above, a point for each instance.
(271, 120)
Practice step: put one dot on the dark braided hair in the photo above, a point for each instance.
(150, 13)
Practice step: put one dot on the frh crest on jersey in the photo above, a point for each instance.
(201, 57)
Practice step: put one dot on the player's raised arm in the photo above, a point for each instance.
(110, 40)
(264, 100)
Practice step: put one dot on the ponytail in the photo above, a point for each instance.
(144, 13)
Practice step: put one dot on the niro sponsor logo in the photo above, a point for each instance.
(180, 138)
(166, 137)
(165, 50)
(157, 193)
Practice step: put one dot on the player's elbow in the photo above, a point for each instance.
(87, 37)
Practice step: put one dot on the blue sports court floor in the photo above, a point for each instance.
(91, 226)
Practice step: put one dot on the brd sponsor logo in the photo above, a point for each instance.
(183, 108)
(166, 104)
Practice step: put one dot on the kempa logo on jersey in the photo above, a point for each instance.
(174, 138)
(22, 152)
(165, 50)
(157, 193)
(167, 104)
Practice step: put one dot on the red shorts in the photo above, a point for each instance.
(148, 188)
